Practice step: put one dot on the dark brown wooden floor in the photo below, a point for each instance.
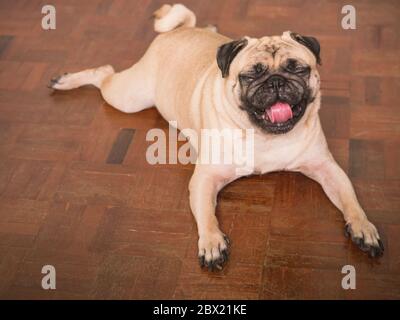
(116, 227)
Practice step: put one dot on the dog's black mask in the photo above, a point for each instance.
(265, 92)
(262, 89)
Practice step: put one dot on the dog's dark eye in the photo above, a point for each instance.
(257, 71)
(293, 66)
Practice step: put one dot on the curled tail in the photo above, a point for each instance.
(169, 17)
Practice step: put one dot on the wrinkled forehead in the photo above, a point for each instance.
(275, 50)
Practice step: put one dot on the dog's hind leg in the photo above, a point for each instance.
(128, 91)
(69, 81)
(131, 90)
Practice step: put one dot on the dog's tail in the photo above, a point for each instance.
(169, 17)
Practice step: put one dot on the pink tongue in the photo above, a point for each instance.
(279, 112)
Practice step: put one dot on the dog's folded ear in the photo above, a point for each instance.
(227, 52)
(309, 42)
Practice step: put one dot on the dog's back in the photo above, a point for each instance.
(180, 39)
(184, 52)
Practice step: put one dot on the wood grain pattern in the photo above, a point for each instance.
(76, 190)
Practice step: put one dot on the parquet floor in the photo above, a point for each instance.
(116, 227)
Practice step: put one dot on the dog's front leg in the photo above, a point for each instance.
(340, 191)
(204, 186)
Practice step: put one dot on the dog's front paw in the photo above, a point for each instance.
(364, 234)
(213, 251)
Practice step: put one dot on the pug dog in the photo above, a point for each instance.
(202, 79)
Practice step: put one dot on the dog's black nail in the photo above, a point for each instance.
(202, 261)
(376, 251)
(53, 81)
(210, 265)
(356, 240)
(347, 231)
(381, 245)
(228, 242)
(225, 254)
(362, 245)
